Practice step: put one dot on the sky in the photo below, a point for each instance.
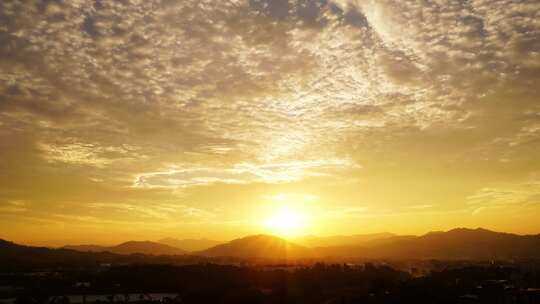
(144, 119)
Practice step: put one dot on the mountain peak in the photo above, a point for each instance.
(463, 231)
(258, 246)
(136, 243)
(132, 247)
(343, 240)
(189, 244)
(261, 237)
(469, 230)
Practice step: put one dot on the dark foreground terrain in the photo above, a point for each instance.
(40, 275)
(317, 283)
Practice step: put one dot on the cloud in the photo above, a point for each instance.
(185, 75)
(288, 197)
(511, 196)
(136, 101)
(421, 207)
(161, 211)
(350, 212)
(14, 206)
(242, 173)
(88, 154)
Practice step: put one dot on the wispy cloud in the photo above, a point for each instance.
(513, 196)
(14, 206)
(242, 173)
(155, 211)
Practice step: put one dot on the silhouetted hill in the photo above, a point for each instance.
(342, 240)
(190, 244)
(464, 243)
(88, 248)
(461, 243)
(258, 246)
(14, 257)
(131, 247)
(17, 257)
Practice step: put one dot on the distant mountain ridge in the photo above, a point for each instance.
(459, 243)
(16, 257)
(258, 246)
(132, 247)
(342, 240)
(189, 244)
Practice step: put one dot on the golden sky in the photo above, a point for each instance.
(143, 119)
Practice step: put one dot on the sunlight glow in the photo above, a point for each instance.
(287, 221)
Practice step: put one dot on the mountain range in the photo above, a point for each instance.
(19, 257)
(131, 247)
(461, 243)
(342, 240)
(190, 244)
(258, 246)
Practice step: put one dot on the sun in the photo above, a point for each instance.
(287, 221)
